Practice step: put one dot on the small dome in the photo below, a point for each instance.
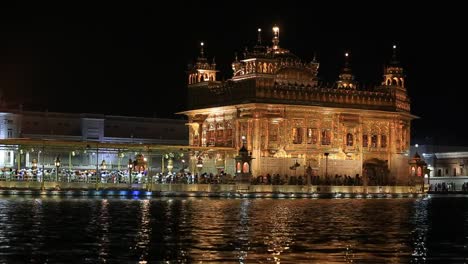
(294, 76)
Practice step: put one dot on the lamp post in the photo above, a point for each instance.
(57, 166)
(43, 166)
(103, 165)
(199, 164)
(326, 164)
(309, 174)
(170, 165)
(149, 177)
(294, 167)
(130, 167)
(34, 164)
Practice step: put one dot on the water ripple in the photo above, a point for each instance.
(76, 230)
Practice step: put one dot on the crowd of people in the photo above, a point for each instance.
(447, 187)
(182, 177)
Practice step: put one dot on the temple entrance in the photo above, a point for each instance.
(376, 172)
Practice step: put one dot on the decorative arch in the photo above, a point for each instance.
(349, 140)
(246, 167)
(376, 172)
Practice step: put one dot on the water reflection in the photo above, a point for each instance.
(242, 232)
(281, 234)
(144, 231)
(103, 230)
(77, 230)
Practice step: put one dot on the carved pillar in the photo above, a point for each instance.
(361, 139)
(200, 133)
(215, 131)
(256, 143)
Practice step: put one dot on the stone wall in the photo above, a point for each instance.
(209, 188)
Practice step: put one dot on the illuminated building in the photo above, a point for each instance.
(72, 128)
(288, 117)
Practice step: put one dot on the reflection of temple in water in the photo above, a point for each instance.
(276, 102)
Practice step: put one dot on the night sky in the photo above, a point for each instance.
(131, 60)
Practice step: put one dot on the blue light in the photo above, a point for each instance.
(149, 193)
(136, 193)
(123, 193)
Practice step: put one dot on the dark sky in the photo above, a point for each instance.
(131, 60)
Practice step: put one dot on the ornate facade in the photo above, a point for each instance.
(275, 100)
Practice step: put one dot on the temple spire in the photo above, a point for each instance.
(346, 78)
(393, 73)
(202, 71)
(259, 36)
(346, 65)
(394, 60)
(276, 37)
(202, 52)
(394, 81)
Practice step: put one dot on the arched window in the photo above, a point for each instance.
(245, 168)
(312, 136)
(383, 141)
(365, 141)
(349, 140)
(238, 167)
(326, 137)
(439, 172)
(297, 135)
(270, 68)
(374, 141)
(419, 174)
